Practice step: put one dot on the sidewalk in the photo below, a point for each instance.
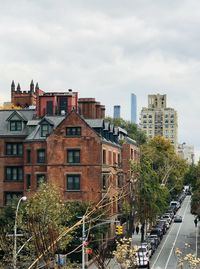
(136, 240)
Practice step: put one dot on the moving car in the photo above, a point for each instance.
(178, 218)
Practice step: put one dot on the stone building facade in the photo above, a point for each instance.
(159, 120)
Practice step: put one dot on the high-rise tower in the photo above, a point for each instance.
(158, 119)
(133, 108)
(116, 114)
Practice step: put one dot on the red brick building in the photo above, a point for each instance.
(82, 155)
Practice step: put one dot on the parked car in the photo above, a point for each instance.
(153, 243)
(176, 204)
(155, 238)
(142, 257)
(147, 245)
(170, 212)
(178, 218)
(167, 217)
(157, 231)
(163, 224)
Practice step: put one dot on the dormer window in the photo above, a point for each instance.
(44, 130)
(15, 125)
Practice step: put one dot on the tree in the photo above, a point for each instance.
(192, 178)
(9, 106)
(43, 217)
(126, 254)
(7, 215)
(160, 172)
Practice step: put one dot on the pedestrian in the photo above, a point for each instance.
(137, 229)
(133, 231)
(195, 222)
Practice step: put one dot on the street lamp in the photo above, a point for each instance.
(23, 198)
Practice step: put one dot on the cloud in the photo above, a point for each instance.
(107, 49)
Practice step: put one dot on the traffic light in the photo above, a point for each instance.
(119, 229)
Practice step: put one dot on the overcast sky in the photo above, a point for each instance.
(107, 49)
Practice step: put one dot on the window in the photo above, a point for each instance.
(131, 154)
(73, 131)
(28, 156)
(44, 130)
(119, 159)
(73, 182)
(10, 196)
(40, 178)
(119, 181)
(104, 182)
(41, 155)
(14, 149)
(28, 181)
(14, 173)
(104, 156)
(73, 156)
(15, 125)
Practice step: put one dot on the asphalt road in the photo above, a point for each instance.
(180, 235)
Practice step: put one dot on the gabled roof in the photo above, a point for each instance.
(46, 119)
(17, 113)
(6, 115)
(53, 121)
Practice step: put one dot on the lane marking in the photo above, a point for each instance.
(167, 238)
(170, 254)
(196, 241)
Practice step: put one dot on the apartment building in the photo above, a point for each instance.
(186, 152)
(83, 156)
(159, 120)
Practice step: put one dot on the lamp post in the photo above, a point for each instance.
(23, 198)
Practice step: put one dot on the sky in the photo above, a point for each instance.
(107, 49)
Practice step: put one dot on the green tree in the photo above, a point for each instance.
(160, 172)
(43, 217)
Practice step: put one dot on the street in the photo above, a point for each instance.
(183, 235)
(180, 235)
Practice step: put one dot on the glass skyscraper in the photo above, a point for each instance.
(133, 108)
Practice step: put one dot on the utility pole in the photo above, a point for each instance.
(83, 243)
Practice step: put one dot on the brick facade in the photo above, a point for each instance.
(83, 157)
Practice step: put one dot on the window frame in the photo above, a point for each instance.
(43, 132)
(28, 156)
(74, 184)
(18, 174)
(19, 149)
(75, 159)
(14, 125)
(70, 133)
(28, 181)
(41, 159)
(38, 179)
(17, 194)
